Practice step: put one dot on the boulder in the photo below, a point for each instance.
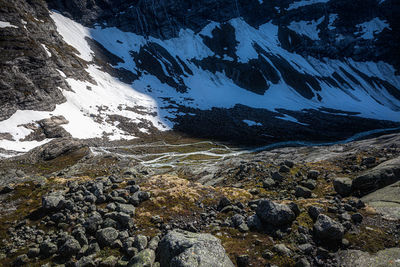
(303, 192)
(313, 174)
(182, 248)
(382, 175)
(342, 186)
(327, 230)
(144, 258)
(107, 236)
(273, 213)
(53, 201)
(70, 248)
(126, 208)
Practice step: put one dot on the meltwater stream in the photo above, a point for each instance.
(164, 155)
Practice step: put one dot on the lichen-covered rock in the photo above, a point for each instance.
(186, 249)
(144, 258)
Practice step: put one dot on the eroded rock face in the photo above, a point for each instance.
(182, 248)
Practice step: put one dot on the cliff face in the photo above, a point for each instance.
(31, 53)
(250, 71)
(164, 19)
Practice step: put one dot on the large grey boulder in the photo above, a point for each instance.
(53, 201)
(327, 230)
(382, 175)
(273, 213)
(185, 249)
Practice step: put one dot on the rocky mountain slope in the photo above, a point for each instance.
(68, 203)
(316, 70)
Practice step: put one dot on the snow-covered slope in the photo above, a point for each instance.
(151, 84)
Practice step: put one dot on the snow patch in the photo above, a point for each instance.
(369, 29)
(47, 50)
(252, 123)
(302, 3)
(5, 24)
(307, 28)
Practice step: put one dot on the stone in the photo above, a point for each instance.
(357, 218)
(303, 192)
(53, 201)
(126, 208)
(313, 174)
(223, 202)
(106, 237)
(93, 221)
(303, 262)
(237, 220)
(6, 189)
(85, 262)
(140, 242)
(33, 252)
(144, 258)
(254, 222)
(21, 260)
(269, 183)
(48, 248)
(182, 248)
(342, 186)
(281, 249)
(284, 169)
(289, 163)
(70, 248)
(153, 244)
(110, 261)
(310, 184)
(314, 212)
(276, 176)
(327, 230)
(243, 260)
(273, 213)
